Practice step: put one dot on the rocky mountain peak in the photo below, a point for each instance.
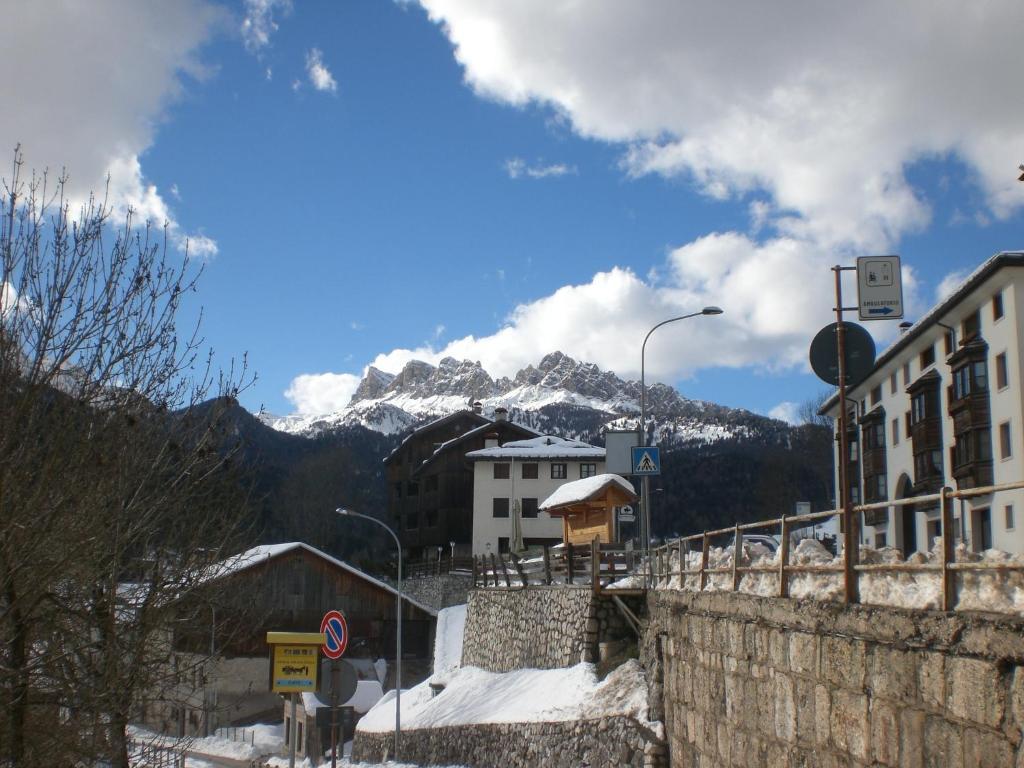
(373, 385)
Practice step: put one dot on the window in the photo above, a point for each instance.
(588, 470)
(949, 340)
(854, 494)
(529, 507)
(975, 445)
(431, 518)
(895, 431)
(412, 489)
(501, 472)
(970, 378)
(398, 490)
(880, 540)
(863, 406)
(892, 383)
(1002, 376)
(853, 450)
(1008, 512)
(530, 471)
(906, 423)
(876, 395)
(927, 464)
(412, 521)
(971, 325)
(874, 436)
(500, 508)
(906, 374)
(1004, 440)
(928, 357)
(557, 471)
(880, 483)
(997, 309)
(430, 483)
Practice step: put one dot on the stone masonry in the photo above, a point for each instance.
(537, 627)
(610, 741)
(752, 681)
(437, 592)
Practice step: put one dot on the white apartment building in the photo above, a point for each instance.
(518, 476)
(944, 406)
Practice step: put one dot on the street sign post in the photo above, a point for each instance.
(626, 514)
(293, 668)
(646, 460)
(879, 288)
(858, 353)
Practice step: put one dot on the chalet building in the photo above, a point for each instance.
(430, 481)
(285, 588)
(944, 406)
(511, 479)
(586, 507)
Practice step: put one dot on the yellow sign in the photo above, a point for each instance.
(294, 661)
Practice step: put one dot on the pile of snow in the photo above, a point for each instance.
(474, 695)
(259, 740)
(451, 625)
(983, 590)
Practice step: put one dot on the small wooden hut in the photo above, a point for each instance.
(587, 507)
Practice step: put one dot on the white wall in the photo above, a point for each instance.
(487, 528)
(1002, 336)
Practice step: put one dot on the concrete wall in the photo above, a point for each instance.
(612, 741)
(538, 627)
(748, 681)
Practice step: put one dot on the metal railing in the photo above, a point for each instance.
(946, 568)
(438, 567)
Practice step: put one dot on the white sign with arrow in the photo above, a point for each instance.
(879, 288)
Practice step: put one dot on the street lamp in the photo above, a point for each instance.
(645, 498)
(398, 621)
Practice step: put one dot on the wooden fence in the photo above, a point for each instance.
(661, 570)
(595, 564)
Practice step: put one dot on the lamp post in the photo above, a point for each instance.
(398, 622)
(645, 493)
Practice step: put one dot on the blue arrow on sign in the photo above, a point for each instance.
(881, 311)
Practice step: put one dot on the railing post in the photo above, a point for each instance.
(703, 579)
(684, 549)
(494, 569)
(547, 565)
(948, 554)
(474, 571)
(595, 565)
(569, 564)
(783, 559)
(504, 570)
(737, 550)
(519, 570)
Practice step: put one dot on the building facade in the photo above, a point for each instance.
(943, 406)
(430, 482)
(516, 477)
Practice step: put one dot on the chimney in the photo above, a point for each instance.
(478, 407)
(501, 413)
(491, 440)
(905, 326)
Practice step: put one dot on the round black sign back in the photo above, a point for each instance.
(860, 354)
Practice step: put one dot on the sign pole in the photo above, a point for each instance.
(335, 682)
(294, 733)
(850, 539)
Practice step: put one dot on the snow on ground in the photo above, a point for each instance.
(344, 762)
(991, 590)
(258, 740)
(474, 695)
(451, 624)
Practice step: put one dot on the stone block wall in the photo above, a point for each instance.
(751, 681)
(611, 741)
(537, 627)
(438, 592)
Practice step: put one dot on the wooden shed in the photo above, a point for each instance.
(587, 507)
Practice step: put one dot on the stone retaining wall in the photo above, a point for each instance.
(752, 681)
(438, 592)
(537, 627)
(613, 741)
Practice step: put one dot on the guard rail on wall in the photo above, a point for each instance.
(438, 567)
(595, 564)
(661, 568)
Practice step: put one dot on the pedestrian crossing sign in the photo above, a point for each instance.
(646, 460)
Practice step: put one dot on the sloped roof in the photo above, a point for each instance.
(483, 429)
(472, 415)
(543, 447)
(265, 552)
(587, 489)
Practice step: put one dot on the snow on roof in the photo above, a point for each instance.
(542, 447)
(584, 490)
(264, 552)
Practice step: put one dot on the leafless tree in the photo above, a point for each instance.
(116, 484)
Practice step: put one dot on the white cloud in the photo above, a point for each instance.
(258, 24)
(820, 106)
(950, 283)
(101, 76)
(319, 75)
(320, 393)
(786, 411)
(517, 167)
(438, 332)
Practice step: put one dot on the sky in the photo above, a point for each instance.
(374, 181)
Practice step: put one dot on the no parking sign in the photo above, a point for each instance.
(335, 631)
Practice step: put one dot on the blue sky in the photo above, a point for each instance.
(370, 182)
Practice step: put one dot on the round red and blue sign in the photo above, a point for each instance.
(335, 631)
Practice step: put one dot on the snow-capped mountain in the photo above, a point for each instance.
(559, 395)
